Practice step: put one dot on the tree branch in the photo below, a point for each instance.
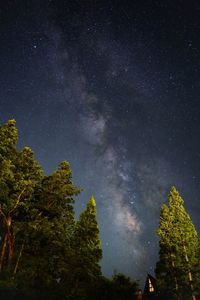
(1, 212)
(17, 202)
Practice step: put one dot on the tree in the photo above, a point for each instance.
(178, 256)
(123, 287)
(19, 173)
(47, 250)
(44, 253)
(88, 252)
(119, 287)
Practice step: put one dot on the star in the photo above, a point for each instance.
(117, 97)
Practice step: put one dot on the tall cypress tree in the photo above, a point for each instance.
(179, 244)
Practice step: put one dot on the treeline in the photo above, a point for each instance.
(44, 252)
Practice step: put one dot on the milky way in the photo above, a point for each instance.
(113, 89)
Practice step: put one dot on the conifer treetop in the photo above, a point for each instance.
(92, 201)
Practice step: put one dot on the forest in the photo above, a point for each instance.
(46, 254)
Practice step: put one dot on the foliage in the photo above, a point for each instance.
(123, 287)
(119, 287)
(87, 248)
(48, 237)
(179, 244)
(19, 174)
(44, 253)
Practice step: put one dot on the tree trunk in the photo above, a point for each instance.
(7, 241)
(10, 239)
(10, 248)
(18, 259)
(3, 248)
(189, 273)
(175, 278)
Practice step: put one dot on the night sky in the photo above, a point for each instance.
(113, 87)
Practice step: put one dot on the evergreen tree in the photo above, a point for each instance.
(119, 287)
(179, 244)
(44, 253)
(88, 250)
(47, 253)
(123, 287)
(19, 174)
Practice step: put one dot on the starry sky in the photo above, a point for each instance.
(112, 87)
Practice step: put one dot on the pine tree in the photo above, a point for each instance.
(179, 244)
(19, 173)
(47, 252)
(88, 250)
(44, 253)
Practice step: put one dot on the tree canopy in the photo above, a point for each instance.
(176, 271)
(44, 251)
